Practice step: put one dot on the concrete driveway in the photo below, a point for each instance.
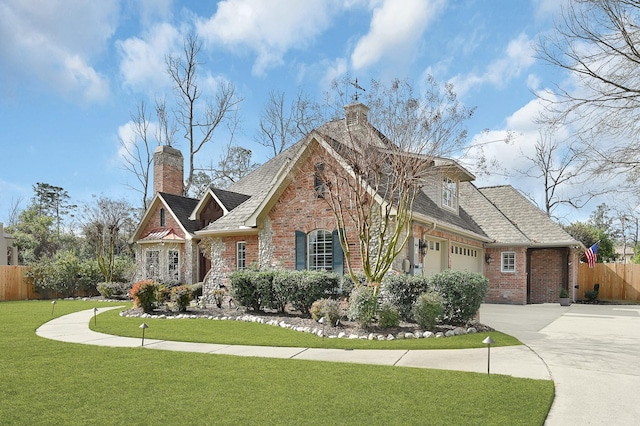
(592, 352)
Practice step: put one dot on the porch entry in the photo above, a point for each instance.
(547, 272)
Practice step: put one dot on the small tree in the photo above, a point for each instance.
(383, 165)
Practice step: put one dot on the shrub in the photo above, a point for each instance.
(244, 289)
(402, 291)
(329, 309)
(269, 297)
(144, 294)
(163, 293)
(113, 290)
(461, 292)
(196, 291)
(427, 309)
(362, 305)
(181, 296)
(284, 284)
(389, 316)
(310, 286)
(57, 275)
(218, 296)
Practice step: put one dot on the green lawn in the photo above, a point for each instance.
(50, 382)
(247, 333)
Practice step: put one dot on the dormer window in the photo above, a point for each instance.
(450, 193)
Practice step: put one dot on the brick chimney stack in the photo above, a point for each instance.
(168, 170)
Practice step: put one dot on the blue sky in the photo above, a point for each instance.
(72, 72)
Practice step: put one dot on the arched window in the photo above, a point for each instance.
(319, 250)
(162, 221)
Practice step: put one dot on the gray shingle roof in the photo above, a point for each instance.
(182, 207)
(509, 217)
(230, 200)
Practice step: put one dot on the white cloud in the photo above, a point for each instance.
(142, 63)
(334, 70)
(55, 41)
(518, 57)
(396, 27)
(269, 29)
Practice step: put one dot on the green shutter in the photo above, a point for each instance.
(337, 255)
(301, 251)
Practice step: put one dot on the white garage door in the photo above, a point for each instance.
(464, 258)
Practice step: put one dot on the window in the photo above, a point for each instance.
(173, 265)
(320, 250)
(318, 180)
(449, 193)
(241, 255)
(508, 263)
(162, 221)
(152, 264)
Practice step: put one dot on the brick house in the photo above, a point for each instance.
(274, 217)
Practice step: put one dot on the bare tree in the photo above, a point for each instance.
(560, 169)
(384, 164)
(14, 211)
(283, 124)
(108, 224)
(138, 152)
(596, 42)
(199, 120)
(234, 163)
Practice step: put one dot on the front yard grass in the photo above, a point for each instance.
(232, 332)
(50, 382)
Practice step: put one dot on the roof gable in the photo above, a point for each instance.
(226, 200)
(178, 207)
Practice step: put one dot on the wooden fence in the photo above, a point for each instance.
(15, 285)
(618, 281)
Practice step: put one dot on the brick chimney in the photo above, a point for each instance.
(168, 170)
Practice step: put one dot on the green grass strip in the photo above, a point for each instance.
(231, 332)
(46, 382)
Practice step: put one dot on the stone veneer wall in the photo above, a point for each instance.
(265, 245)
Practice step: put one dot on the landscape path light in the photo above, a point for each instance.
(488, 341)
(322, 321)
(95, 313)
(143, 326)
(53, 306)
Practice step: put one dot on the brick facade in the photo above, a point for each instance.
(507, 287)
(300, 209)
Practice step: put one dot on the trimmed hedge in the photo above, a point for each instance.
(274, 289)
(461, 292)
(402, 291)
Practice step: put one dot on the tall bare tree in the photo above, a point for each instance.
(385, 163)
(282, 123)
(138, 152)
(596, 42)
(198, 119)
(560, 169)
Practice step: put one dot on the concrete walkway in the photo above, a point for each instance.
(517, 361)
(593, 353)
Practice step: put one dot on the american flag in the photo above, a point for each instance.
(592, 255)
